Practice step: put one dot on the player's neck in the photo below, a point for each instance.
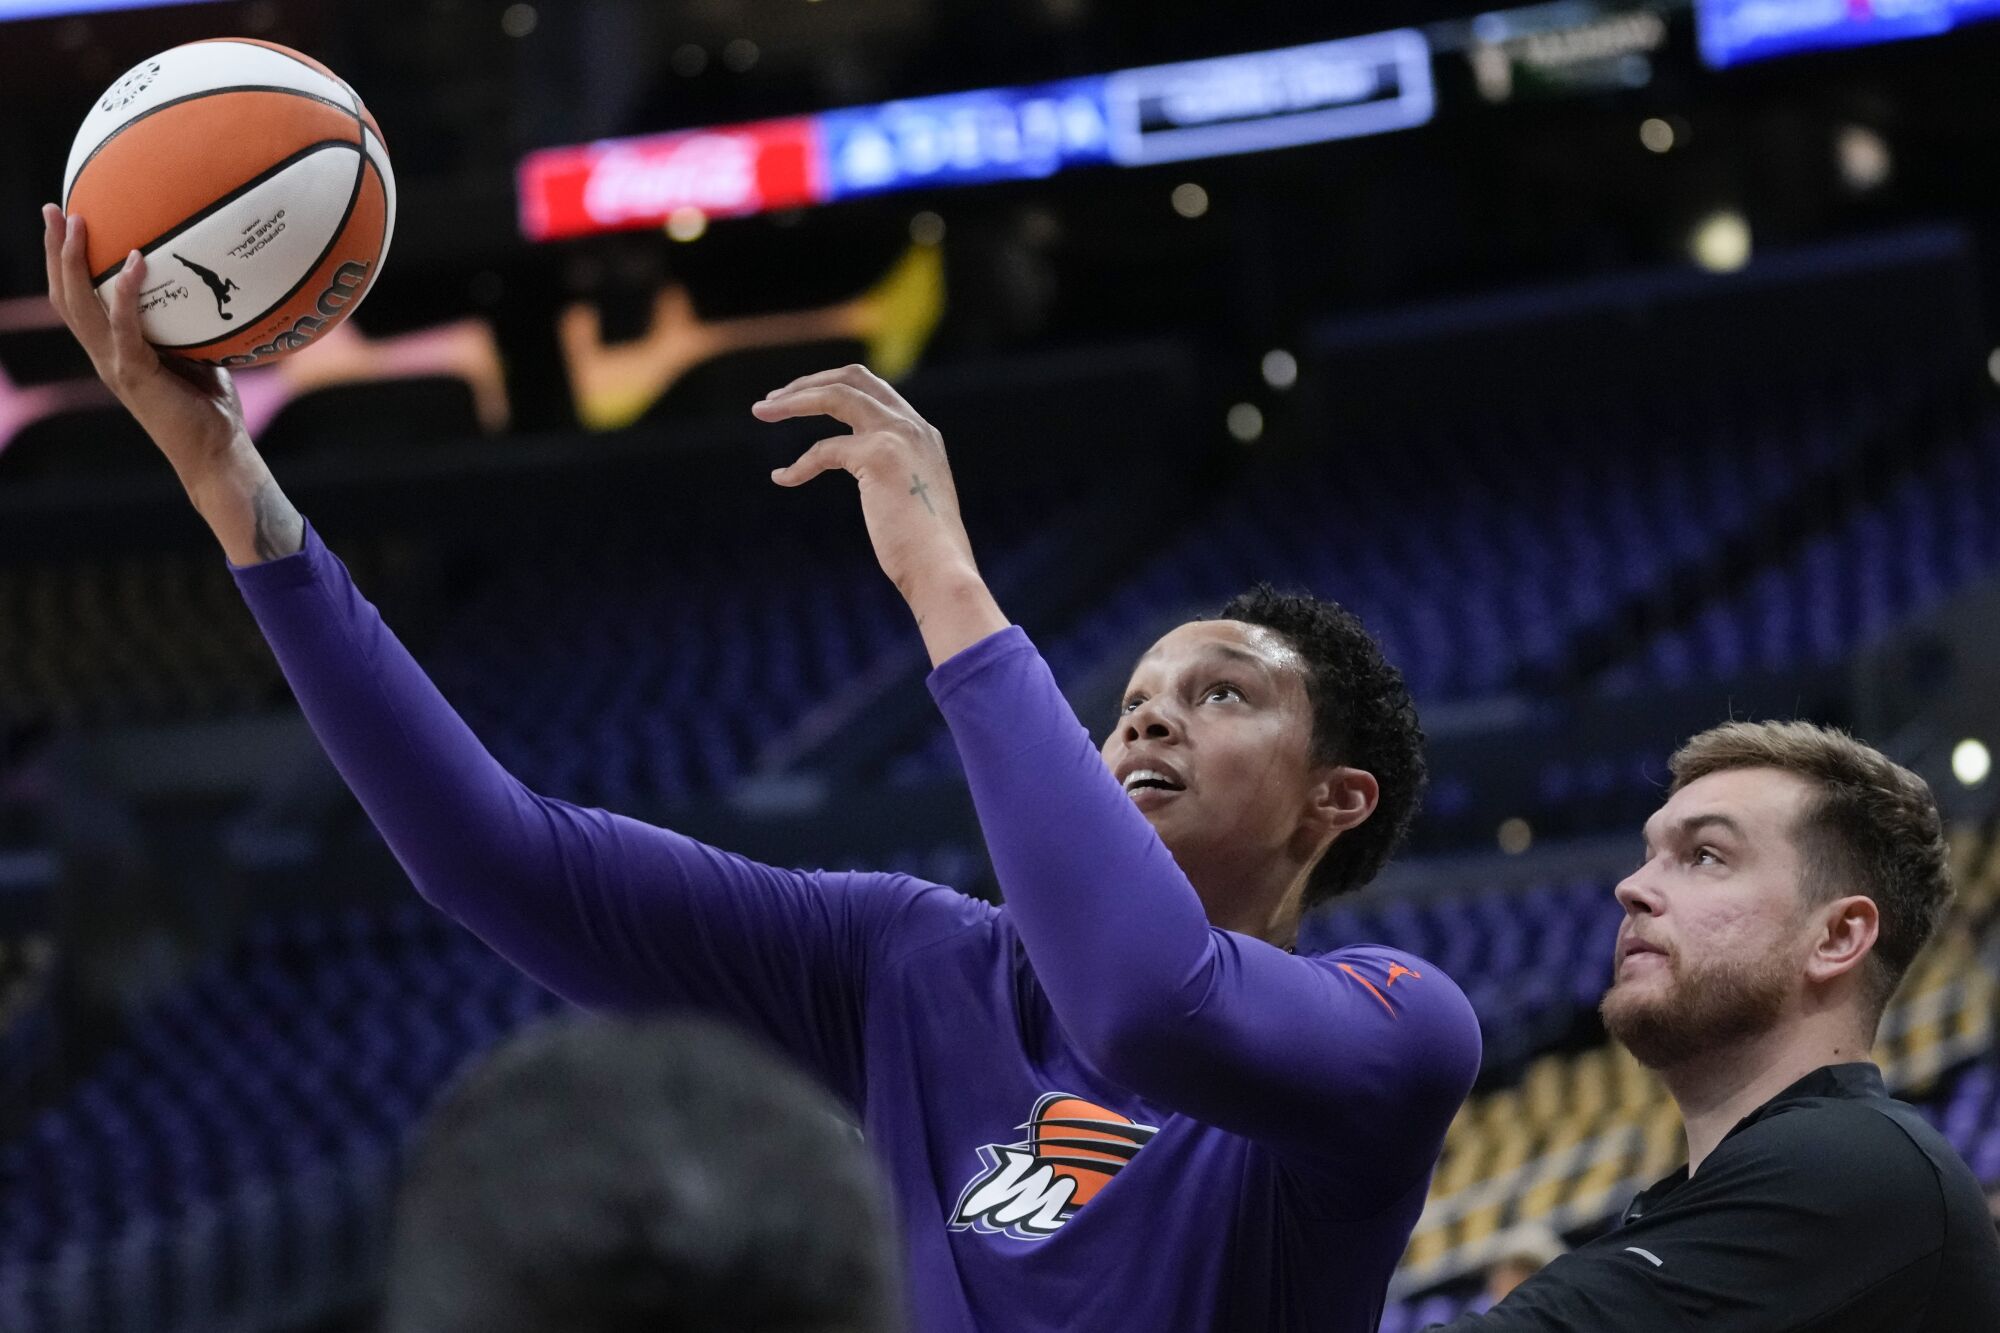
(1718, 1088)
(1265, 906)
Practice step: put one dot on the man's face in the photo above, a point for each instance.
(1217, 714)
(1714, 940)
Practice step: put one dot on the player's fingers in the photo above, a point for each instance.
(80, 304)
(843, 402)
(128, 343)
(53, 231)
(866, 380)
(858, 376)
(834, 376)
(827, 455)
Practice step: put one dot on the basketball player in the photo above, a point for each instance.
(1120, 1102)
(1787, 883)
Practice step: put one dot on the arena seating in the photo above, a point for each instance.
(236, 1152)
(640, 665)
(1889, 557)
(1485, 554)
(1476, 548)
(583, 663)
(646, 653)
(144, 637)
(651, 665)
(128, 639)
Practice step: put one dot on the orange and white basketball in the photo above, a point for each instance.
(256, 185)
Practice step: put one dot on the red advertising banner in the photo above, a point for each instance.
(631, 183)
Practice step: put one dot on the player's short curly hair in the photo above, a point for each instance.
(1363, 717)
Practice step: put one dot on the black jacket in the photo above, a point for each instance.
(1830, 1208)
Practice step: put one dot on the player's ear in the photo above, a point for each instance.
(1341, 797)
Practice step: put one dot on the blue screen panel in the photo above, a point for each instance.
(41, 9)
(1270, 99)
(1734, 32)
(965, 138)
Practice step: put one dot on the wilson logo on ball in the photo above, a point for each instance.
(348, 281)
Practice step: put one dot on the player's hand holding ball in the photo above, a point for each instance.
(191, 411)
(225, 204)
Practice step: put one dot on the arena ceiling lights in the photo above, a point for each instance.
(1163, 113)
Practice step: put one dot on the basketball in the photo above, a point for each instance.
(256, 185)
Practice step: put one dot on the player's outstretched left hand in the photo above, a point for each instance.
(898, 459)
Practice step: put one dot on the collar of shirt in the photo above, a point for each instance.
(1850, 1081)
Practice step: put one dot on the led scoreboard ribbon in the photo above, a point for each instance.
(1163, 113)
(1735, 31)
(36, 9)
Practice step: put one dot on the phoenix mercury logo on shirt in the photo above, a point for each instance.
(1029, 1189)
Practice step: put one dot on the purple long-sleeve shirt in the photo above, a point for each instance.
(1097, 1111)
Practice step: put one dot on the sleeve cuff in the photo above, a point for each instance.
(288, 571)
(968, 663)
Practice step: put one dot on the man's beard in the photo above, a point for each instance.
(1698, 1011)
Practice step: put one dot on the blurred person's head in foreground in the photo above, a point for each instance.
(1788, 882)
(1520, 1253)
(1275, 751)
(669, 1176)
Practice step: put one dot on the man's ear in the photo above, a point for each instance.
(1844, 934)
(1343, 797)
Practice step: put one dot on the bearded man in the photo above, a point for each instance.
(1788, 882)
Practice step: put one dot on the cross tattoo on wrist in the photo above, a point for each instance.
(922, 492)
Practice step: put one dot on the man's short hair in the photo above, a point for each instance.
(1363, 717)
(1873, 828)
(611, 1176)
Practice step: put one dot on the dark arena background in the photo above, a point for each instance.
(1626, 366)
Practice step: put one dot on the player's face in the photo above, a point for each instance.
(1213, 742)
(1715, 935)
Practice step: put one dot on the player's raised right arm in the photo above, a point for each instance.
(605, 910)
